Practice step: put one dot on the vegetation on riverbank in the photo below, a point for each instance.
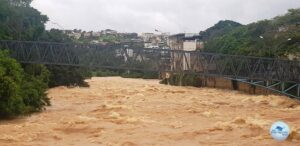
(23, 87)
(126, 74)
(183, 80)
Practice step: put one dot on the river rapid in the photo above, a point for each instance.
(115, 111)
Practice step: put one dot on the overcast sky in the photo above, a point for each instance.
(165, 15)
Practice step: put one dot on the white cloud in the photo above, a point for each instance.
(165, 15)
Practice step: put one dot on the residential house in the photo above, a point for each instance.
(74, 35)
(109, 32)
(156, 41)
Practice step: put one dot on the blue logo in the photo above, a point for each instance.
(280, 131)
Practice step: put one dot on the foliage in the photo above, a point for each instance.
(277, 37)
(221, 28)
(126, 74)
(18, 20)
(55, 35)
(21, 91)
(150, 75)
(11, 75)
(68, 76)
(183, 80)
(34, 86)
(105, 73)
(132, 74)
(107, 38)
(140, 74)
(23, 88)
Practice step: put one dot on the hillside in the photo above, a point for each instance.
(278, 37)
(221, 28)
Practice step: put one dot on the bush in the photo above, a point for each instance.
(34, 87)
(183, 80)
(150, 75)
(21, 91)
(191, 80)
(11, 75)
(105, 73)
(140, 74)
(68, 76)
(132, 75)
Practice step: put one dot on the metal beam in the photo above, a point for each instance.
(257, 69)
(293, 86)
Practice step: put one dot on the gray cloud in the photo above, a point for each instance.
(165, 15)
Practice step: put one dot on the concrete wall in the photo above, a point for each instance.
(189, 45)
(222, 83)
(228, 84)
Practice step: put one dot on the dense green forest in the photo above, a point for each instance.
(219, 29)
(278, 37)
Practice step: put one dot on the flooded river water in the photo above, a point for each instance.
(115, 111)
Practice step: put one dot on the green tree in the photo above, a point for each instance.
(21, 91)
(34, 86)
(20, 21)
(221, 28)
(11, 75)
(68, 76)
(278, 37)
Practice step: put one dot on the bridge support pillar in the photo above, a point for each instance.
(282, 86)
(267, 83)
(298, 91)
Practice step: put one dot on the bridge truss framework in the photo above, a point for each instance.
(282, 76)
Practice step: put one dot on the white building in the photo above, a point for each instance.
(109, 31)
(75, 35)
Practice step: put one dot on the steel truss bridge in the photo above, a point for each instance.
(282, 76)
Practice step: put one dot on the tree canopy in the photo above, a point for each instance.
(23, 87)
(20, 21)
(278, 37)
(221, 28)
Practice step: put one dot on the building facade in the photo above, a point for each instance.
(184, 42)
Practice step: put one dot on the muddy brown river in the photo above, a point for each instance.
(133, 112)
